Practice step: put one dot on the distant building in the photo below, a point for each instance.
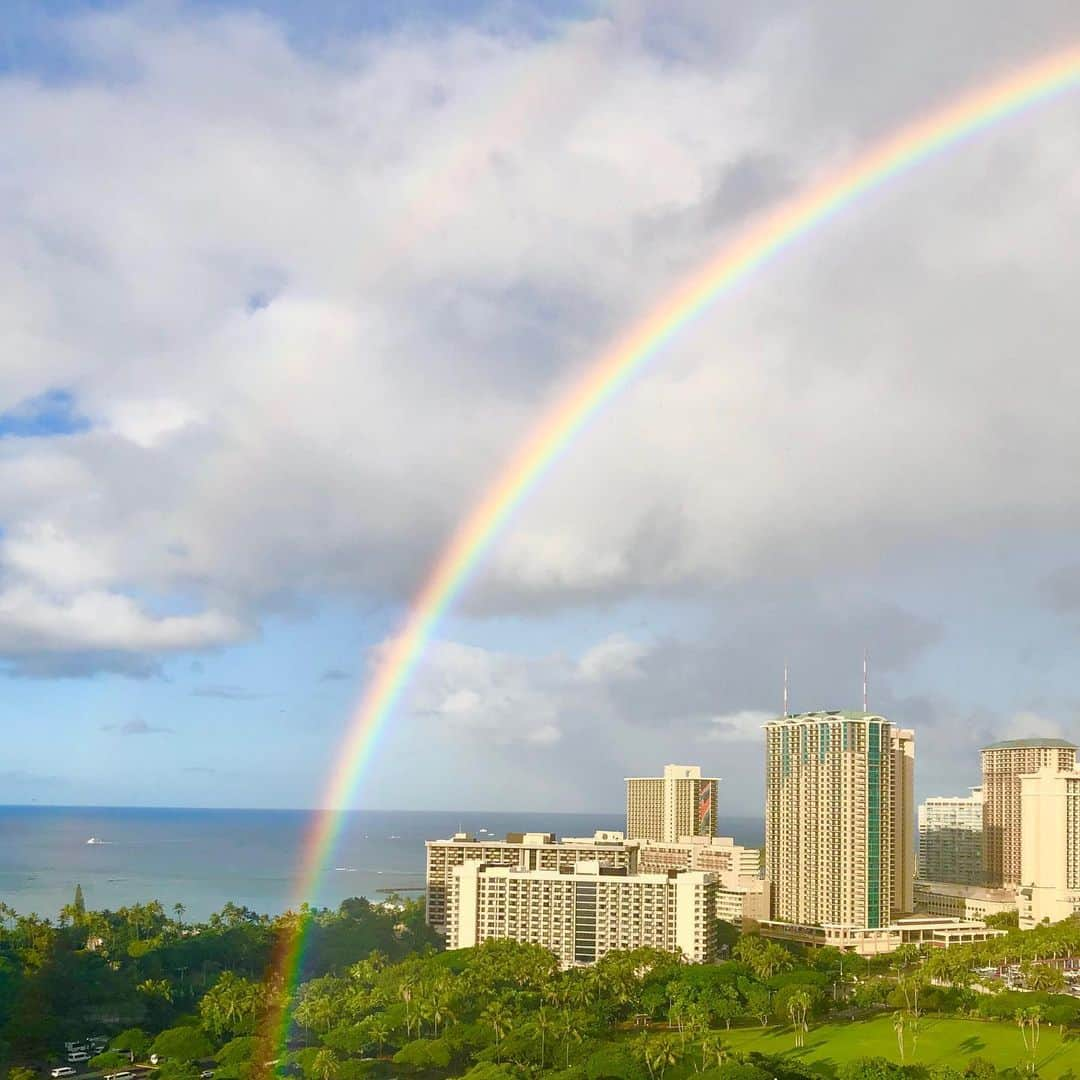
(1003, 763)
(1050, 846)
(839, 818)
(682, 802)
(719, 854)
(931, 931)
(583, 912)
(742, 894)
(523, 851)
(744, 901)
(951, 839)
(962, 901)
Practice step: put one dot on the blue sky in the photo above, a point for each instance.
(285, 284)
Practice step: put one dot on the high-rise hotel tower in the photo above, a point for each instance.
(1003, 763)
(680, 803)
(839, 818)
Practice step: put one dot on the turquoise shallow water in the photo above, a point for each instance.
(204, 858)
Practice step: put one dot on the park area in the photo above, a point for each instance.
(942, 1041)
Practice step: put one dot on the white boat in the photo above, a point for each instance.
(93, 840)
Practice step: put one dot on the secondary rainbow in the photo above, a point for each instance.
(604, 378)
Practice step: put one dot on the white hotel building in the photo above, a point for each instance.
(523, 851)
(584, 911)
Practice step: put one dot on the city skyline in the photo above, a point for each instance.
(287, 289)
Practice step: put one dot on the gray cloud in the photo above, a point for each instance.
(314, 398)
(226, 693)
(138, 726)
(81, 665)
(335, 675)
(1060, 590)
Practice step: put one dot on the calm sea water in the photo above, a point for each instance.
(204, 858)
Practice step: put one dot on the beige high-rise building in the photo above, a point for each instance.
(682, 802)
(1003, 764)
(839, 819)
(523, 851)
(1050, 846)
(951, 839)
(583, 913)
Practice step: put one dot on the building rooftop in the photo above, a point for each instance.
(826, 714)
(970, 892)
(1019, 744)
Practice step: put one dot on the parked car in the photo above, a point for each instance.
(156, 1059)
(78, 1055)
(126, 1075)
(62, 1070)
(206, 1074)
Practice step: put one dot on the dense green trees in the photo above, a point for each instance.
(378, 998)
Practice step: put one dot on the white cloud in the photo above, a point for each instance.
(616, 657)
(310, 303)
(1027, 724)
(741, 726)
(465, 691)
(105, 622)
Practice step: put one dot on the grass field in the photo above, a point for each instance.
(943, 1041)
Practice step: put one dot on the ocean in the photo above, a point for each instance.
(205, 858)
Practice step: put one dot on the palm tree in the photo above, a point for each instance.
(326, 1065)
(911, 985)
(798, 1007)
(663, 1054)
(178, 911)
(543, 1023)
(498, 1016)
(713, 1046)
(569, 1030)
(406, 991)
(1029, 1020)
(380, 1032)
(642, 1050)
(899, 1023)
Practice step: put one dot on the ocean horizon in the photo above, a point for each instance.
(204, 858)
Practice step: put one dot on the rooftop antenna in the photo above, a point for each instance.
(785, 691)
(865, 682)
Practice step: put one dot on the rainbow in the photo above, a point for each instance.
(762, 241)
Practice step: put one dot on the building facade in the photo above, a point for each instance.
(717, 854)
(927, 931)
(524, 851)
(744, 901)
(1050, 846)
(951, 839)
(839, 835)
(682, 802)
(584, 912)
(962, 901)
(1003, 764)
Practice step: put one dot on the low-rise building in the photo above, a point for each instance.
(584, 911)
(743, 901)
(716, 854)
(524, 851)
(962, 901)
(933, 931)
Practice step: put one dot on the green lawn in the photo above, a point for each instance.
(942, 1041)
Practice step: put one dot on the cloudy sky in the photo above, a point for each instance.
(282, 285)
